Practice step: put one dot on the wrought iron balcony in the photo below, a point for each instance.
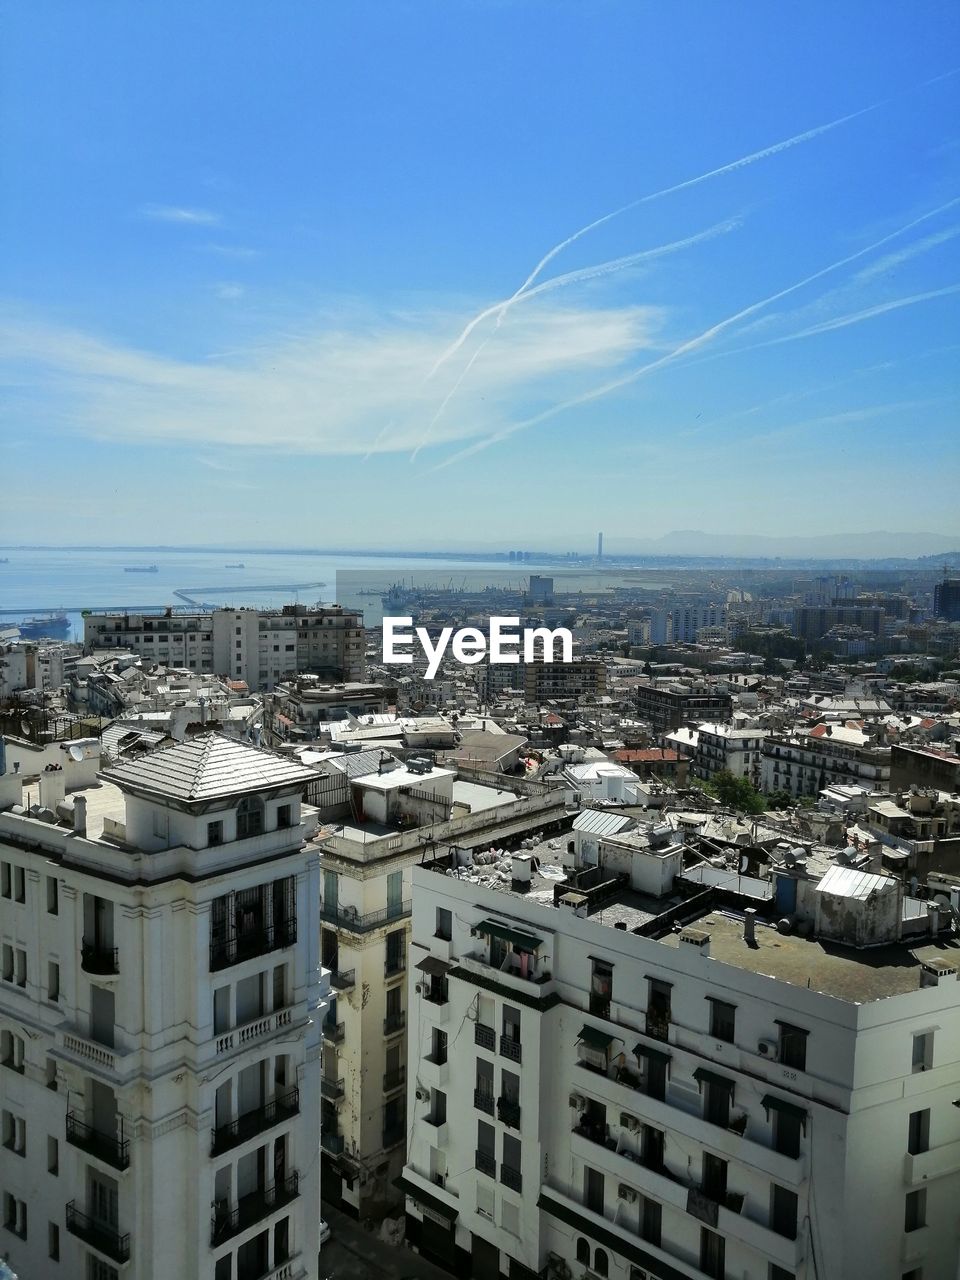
(98, 959)
(101, 1236)
(394, 1022)
(332, 1142)
(485, 1037)
(509, 1112)
(114, 1151)
(253, 1208)
(253, 1122)
(394, 1079)
(510, 1048)
(511, 1178)
(258, 941)
(351, 919)
(486, 1164)
(394, 965)
(331, 1089)
(483, 1101)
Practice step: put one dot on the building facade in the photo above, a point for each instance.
(160, 1011)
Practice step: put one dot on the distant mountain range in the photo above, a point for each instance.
(879, 545)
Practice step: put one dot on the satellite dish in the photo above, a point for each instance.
(76, 753)
(25, 728)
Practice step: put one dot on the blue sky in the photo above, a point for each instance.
(243, 242)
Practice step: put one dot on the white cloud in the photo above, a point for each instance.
(318, 390)
(229, 290)
(176, 213)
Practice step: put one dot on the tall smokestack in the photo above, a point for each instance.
(599, 546)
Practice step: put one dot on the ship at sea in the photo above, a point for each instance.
(141, 568)
(239, 565)
(52, 626)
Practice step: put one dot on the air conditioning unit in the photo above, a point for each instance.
(626, 1193)
(419, 988)
(768, 1049)
(629, 1122)
(423, 1095)
(578, 1100)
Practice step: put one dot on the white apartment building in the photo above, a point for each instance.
(261, 647)
(803, 764)
(381, 819)
(725, 746)
(160, 1005)
(610, 1079)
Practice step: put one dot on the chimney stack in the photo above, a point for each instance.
(80, 815)
(750, 926)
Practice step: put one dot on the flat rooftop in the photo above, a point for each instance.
(857, 976)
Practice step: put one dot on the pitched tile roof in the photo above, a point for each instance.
(208, 767)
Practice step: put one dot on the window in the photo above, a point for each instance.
(918, 1132)
(21, 959)
(284, 816)
(711, 1253)
(19, 884)
(787, 1127)
(249, 817)
(650, 1221)
(658, 1009)
(923, 1051)
(214, 833)
(7, 962)
(780, 1273)
(444, 927)
(53, 981)
(714, 1178)
(5, 881)
(583, 1251)
(915, 1210)
(783, 1211)
(53, 895)
(722, 1020)
(600, 1264)
(438, 1107)
(51, 1074)
(601, 988)
(53, 1241)
(14, 1133)
(395, 956)
(438, 1047)
(793, 1046)
(15, 1215)
(53, 1156)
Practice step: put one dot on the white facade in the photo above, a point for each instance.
(725, 747)
(587, 1101)
(160, 1010)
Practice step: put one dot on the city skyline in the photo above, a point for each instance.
(564, 270)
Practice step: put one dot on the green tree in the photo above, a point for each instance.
(736, 793)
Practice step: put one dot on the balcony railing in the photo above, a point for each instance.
(509, 1112)
(483, 1101)
(251, 943)
(343, 979)
(658, 1025)
(485, 1037)
(511, 1178)
(101, 1236)
(331, 1089)
(355, 922)
(98, 959)
(510, 1048)
(252, 1208)
(394, 965)
(114, 1151)
(394, 1022)
(486, 1164)
(332, 1142)
(394, 1079)
(253, 1122)
(332, 1031)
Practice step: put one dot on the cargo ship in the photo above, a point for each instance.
(141, 568)
(53, 626)
(240, 565)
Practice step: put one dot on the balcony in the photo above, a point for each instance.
(331, 1142)
(508, 1112)
(394, 966)
(486, 1164)
(351, 919)
(438, 995)
(394, 1079)
(260, 941)
(253, 1208)
(510, 1048)
(343, 979)
(249, 1032)
(113, 1151)
(253, 1122)
(483, 1101)
(485, 1037)
(394, 1022)
(332, 1090)
(511, 1178)
(938, 1162)
(332, 1031)
(658, 1025)
(98, 1235)
(98, 959)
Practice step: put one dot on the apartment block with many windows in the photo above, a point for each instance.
(160, 1009)
(611, 1077)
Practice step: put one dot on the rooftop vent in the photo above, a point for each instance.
(697, 939)
(935, 971)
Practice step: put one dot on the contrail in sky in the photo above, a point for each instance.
(841, 322)
(692, 344)
(556, 282)
(741, 163)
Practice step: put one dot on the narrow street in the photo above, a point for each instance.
(355, 1254)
